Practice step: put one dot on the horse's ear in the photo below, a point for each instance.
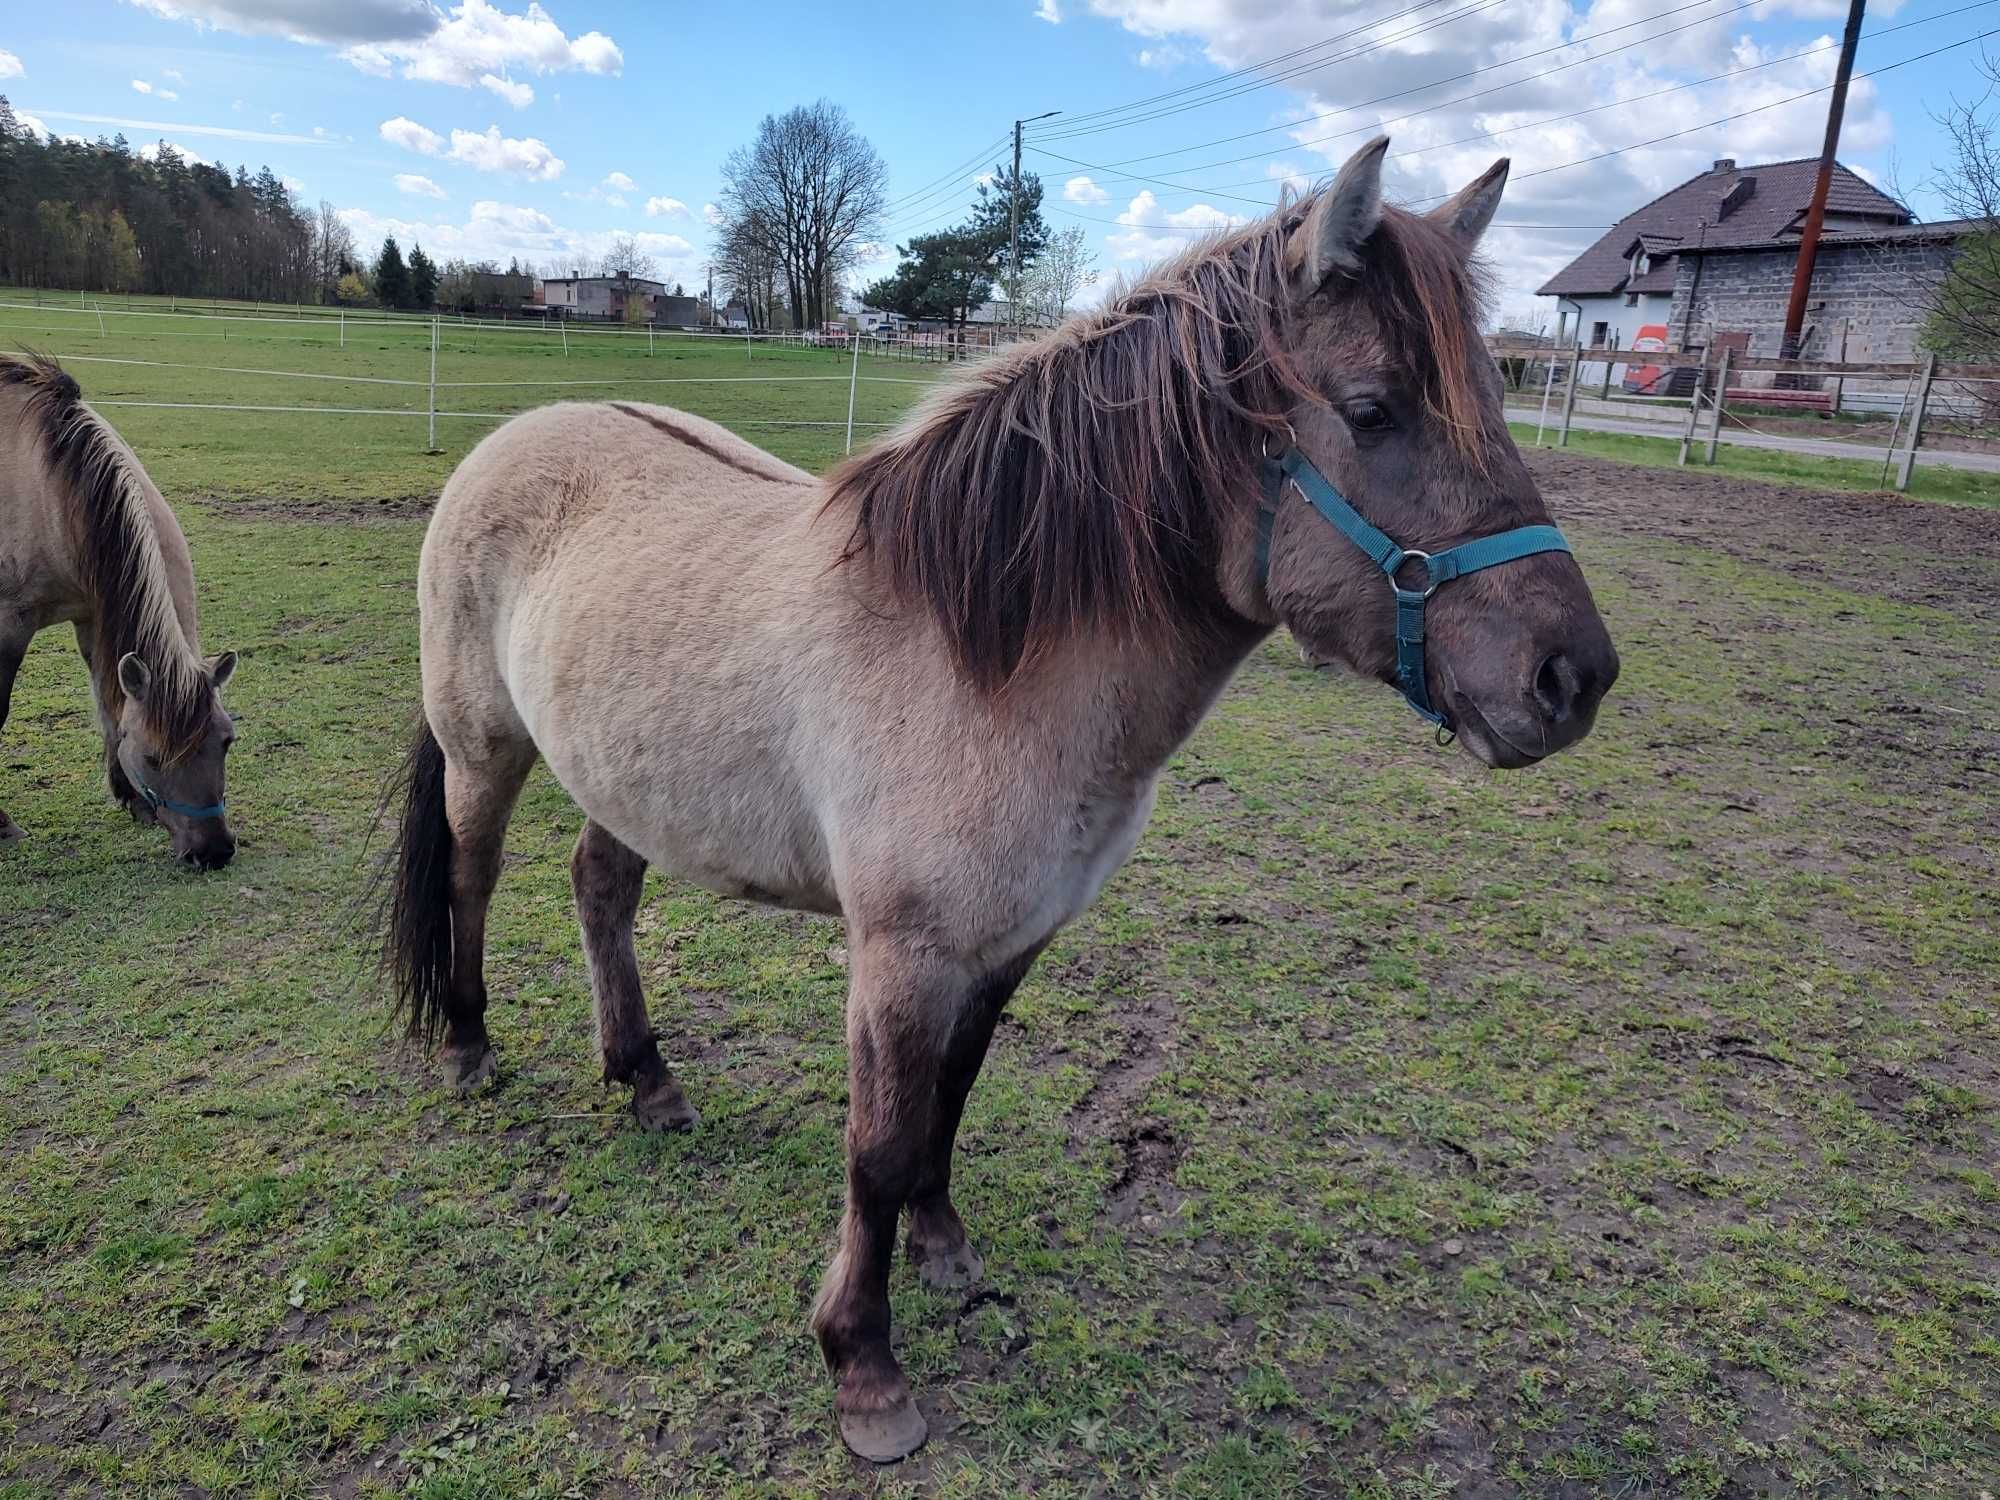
(1465, 216)
(221, 670)
(135, 678)
(1341, 220)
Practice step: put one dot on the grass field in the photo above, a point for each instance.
(1389, 1129)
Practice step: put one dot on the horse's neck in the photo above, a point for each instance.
(157, 574)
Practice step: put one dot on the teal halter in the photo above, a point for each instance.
(1440, 568)
(155, 801)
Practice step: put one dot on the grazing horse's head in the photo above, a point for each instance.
(1395, 407)
(179, 780)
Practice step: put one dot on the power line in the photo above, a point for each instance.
(1247, 68)
(1275, 79)
(950, 176)
(1473, 73)
(1488, 135)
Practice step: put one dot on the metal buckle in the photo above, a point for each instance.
(1422, 557)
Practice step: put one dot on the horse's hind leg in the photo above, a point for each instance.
(479, 799)
(608, 878)
(12, 648)
(937, 1243)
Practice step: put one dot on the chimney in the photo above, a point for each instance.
(1725, 164)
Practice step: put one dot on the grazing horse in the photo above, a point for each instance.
(86, 538)
(933, 693)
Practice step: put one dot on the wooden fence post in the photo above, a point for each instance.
(1909, 460)
(1694, 416)
(1721, 398)
(1569, 395)
(1604, 390)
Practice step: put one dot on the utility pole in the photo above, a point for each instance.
(1795, 310)
(1014, 222)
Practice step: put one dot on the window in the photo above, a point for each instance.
(1598, 333)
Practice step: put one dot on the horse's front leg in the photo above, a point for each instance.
(12, 648)
(904, 1006)
(937, 1245)
(122, 790)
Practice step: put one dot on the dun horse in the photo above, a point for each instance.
(933, 694)
(86, 538)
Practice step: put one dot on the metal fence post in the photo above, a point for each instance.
(1569, 394)
(565, 334)
(853, 380)
(343, 328)
(1909, 459)
(1548, 388)
(434, 388)
(1721, 396)
(100, 318)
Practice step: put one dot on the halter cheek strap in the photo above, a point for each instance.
(1293, 467)
(155, 801)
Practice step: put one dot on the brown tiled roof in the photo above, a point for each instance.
(1692, 214)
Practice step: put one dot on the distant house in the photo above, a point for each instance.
(1711, 261)
(603, 297)
(735, 316)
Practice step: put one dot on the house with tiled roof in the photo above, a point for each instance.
(1711, 261)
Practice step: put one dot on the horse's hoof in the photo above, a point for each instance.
(883, 1437)
(664, 1108)
(470, 1075)
(950, 1270)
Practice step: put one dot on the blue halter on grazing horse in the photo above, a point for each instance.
(155, 801)
(1440, 568)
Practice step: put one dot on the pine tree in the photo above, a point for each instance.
(423, 280)
(392, 277)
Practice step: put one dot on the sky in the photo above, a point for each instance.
(492, 128)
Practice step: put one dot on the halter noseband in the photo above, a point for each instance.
(1290, 465)
(155, 801)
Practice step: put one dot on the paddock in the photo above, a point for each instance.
(1388, 1128)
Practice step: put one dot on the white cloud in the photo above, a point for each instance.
(173, 75)
(1152, 235)
(411, 136)
(226, 132)
(1083, 190)
(1050, 11)
(660, 207)
(31, 123)
(152, 149)
(713, 216)
(520, 95)
(479, 38)
(334, 22)
(139, 85)
(1161, 58)
(10, 65)
(417, 185)
(618, 182)
(493, 152)
(616, 200)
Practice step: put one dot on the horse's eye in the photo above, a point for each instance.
(1369, 416)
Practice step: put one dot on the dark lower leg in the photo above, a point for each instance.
(937, 1243)
(892, 1098)
(608, 879)
(10, 663)
(478, 802)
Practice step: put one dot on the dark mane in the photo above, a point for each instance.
(1084, 481)
(118, 554)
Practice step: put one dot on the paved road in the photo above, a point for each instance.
(1979, 463)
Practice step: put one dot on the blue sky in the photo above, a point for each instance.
(495, 127)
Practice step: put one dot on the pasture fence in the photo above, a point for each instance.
(431, 394)
(1830, 407)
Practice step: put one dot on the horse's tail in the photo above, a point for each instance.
(416, 938)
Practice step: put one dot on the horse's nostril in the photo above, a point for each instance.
(1557, 687)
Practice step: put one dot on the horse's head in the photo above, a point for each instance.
(1398, 412)
(179, 786)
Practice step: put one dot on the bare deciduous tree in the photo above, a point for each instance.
(624, 257)
(332, 252)
(1964, 308)
(800, 200)
(1063, 267)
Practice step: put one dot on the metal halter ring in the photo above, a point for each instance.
(1430, 585)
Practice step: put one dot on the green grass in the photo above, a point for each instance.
(1929, 481)
(1388, 1129)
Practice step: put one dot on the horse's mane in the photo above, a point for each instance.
(118, 554)
(1082, 481)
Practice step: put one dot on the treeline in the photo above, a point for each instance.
(99, 216)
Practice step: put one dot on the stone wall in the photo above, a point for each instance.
(1875, 293)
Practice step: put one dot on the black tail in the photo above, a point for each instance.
(416, 940)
